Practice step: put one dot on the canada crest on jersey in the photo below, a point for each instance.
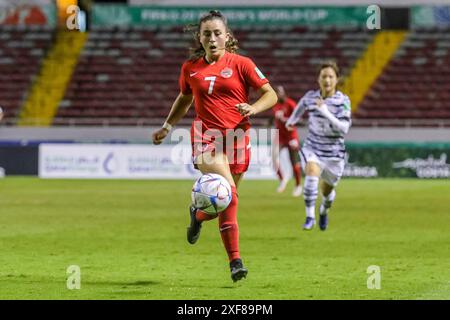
(226, 73)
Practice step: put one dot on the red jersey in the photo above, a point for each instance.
(218, 87)
(282, 111)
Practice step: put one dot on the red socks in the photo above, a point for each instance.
(297, 173)
(229, 228)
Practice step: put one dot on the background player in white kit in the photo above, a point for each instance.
(323, 153)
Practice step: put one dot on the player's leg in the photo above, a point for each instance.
(283, 179)
(228, 218)
(296, 166)
(237, 179)
(275, 152)
(239, 157)
(330, 177)
(210, 162)
(310, 191)
(207, 162)
(228, 226)
(328, 196)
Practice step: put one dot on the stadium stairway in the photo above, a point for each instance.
(371, 64)
(50, 84)
(414, 89)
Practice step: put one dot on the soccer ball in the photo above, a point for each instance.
(211, 193)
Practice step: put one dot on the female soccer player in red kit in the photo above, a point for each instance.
(287, 139)
(218, 80)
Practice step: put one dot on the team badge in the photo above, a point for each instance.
(226, 73)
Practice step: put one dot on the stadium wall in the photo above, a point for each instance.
(115, 153)
(19, 160)
(142, 134)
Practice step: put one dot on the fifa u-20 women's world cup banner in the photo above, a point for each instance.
(122, 15)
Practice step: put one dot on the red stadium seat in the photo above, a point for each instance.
(415, 85)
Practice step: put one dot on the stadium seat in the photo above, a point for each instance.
(415, 86)
(137, 69)
(21, 52)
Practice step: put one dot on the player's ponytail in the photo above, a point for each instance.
(197, 51)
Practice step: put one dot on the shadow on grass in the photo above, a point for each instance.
(123, 283)
(29, 279)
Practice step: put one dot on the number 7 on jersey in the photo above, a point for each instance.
(211, 84)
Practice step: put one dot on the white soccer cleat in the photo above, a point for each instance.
(282, 185)
(297, 191)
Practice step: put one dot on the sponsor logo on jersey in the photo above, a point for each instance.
(226, 73)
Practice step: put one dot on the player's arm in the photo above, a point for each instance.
(179, 109)
(299, 110)
(268, 98)
(342, 125)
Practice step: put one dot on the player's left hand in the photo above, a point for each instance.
(321, 106)
(319, 102)
(245, 109)
(290, 127)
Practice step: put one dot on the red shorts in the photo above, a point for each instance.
(288, 139)
(291, 143)
(237, 149)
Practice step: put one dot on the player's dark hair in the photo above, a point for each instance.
(198, 51)
(329, 64)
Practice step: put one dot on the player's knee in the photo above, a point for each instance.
(326, 188)
(294, 145)
(312, 169)
(311, 186)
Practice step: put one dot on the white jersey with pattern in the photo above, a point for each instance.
(325, 141)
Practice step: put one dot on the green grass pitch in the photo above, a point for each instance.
(129, 240)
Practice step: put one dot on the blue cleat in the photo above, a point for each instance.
(323, 218)
(309, 223)
(323, 222)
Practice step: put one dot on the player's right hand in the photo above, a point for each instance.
(159, 135)
(290, 127)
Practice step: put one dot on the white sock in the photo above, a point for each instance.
(328, 201)
(310, 212)
(310, 192)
